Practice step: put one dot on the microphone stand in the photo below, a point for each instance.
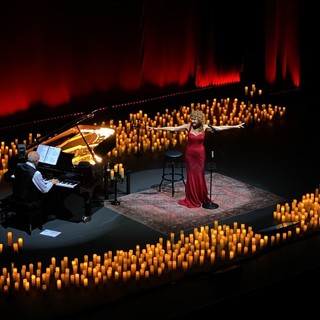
(210, 205)
(137, 124)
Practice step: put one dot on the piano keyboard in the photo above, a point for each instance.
(67, 184)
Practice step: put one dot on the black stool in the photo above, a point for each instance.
(27, 212)
(171, 159)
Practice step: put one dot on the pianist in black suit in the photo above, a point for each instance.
(29, 185)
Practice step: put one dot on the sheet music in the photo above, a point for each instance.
(48, 154)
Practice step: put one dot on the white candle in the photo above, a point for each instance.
(9, 236)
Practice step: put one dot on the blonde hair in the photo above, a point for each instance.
(199, 115)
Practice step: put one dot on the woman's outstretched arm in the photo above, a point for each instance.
(171, 128)
(220, 128)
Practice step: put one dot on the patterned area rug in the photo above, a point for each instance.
(160, 211)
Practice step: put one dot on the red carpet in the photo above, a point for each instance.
(160, 211)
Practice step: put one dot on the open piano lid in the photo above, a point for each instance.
(90, 143)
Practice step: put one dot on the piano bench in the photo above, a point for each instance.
(25, 212)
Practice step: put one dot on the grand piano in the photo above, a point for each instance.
(84, 150)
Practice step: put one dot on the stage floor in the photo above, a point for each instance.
(111, 219)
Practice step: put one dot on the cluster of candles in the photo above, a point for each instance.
(117, 170)
(305, 212)
(223, 112)
(180, 254)
(16, 246)
(253, 90)
(129, 140)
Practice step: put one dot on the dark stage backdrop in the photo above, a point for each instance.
(55, 51)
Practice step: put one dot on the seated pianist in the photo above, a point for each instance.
(69, 157)
(29, 185)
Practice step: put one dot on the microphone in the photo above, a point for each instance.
(213, 130)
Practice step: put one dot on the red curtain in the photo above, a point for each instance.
(52, 52)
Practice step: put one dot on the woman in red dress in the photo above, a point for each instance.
(196, 192)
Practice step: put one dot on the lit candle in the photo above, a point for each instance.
(184, 265)
(284, 236)
(15, 247)
(212, 258)
(27, 286)
(20, 243)
(38, 282)
(253, 248)
(77, 279)
(9, 237)
(182, 236)
(59, 284)
(273, 239)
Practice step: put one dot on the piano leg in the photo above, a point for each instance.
(75, 204)
(88, 193)
(87, 206)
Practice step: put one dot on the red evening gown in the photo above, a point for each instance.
(196, 192)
